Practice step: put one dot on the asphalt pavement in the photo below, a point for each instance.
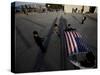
(27, 50)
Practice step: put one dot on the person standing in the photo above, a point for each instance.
(82, 9)
(83, 19)
(69, 28)
(56, 29)
(39, 41)
(72, 10)
(23, 9)
(76, 10)
(26, 9)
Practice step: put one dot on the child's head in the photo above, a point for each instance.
(35, 33)
(55, 25)
(69, 24)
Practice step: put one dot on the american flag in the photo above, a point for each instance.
(74, 42)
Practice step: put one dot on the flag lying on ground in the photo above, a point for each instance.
(74, 42)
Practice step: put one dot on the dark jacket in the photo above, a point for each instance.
(38, 40)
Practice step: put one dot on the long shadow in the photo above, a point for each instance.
(40, 57)
(40, 25)
(40, 63)
(62, 26)
(64, 21)
(48, 37)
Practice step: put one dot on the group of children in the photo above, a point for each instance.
(39, 40)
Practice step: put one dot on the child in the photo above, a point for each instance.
(39, 41)
(56, 29)
(84, 18)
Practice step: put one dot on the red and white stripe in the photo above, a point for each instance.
(71, 42)
(74, 42)
(68, 44)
